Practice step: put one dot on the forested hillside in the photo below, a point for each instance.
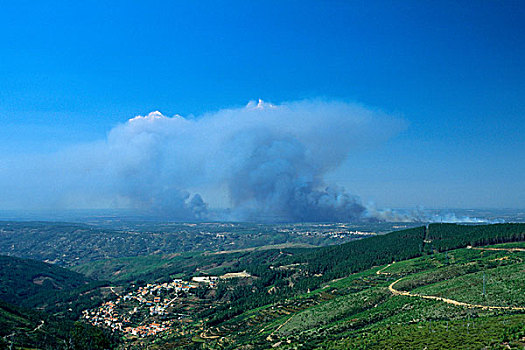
(33, 284)
(70, 244)
(343, 290)
(24, 326)
(450, 236)
(341, 260)
(459, 299)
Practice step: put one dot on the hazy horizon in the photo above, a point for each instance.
(316, 112)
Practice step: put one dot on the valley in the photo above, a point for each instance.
(431, 287)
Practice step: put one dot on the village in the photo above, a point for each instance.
(146, 311)
(150, 309)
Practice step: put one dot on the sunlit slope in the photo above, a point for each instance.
(362, 294)
(360, 311)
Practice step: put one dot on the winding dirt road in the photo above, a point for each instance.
(38, 327)
(114, 292)
(500, 249)
(380, 271)
(451, 301)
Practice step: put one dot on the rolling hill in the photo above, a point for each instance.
(434, 287)
(405, 289)
(434, 301)
(37, 285)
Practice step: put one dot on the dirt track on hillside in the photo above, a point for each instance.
(451, 301)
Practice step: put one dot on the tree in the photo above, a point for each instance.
(87, 337)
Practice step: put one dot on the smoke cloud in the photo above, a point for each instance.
(424, 215)
(258, 162)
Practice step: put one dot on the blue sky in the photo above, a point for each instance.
(455, 71)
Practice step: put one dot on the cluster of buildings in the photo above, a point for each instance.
(148, 329)
(330, 230)
(343, 234)
(148, 300)
(212, 281)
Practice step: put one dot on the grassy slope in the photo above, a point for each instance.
(480, 333)
(504, 287)
(359, 312)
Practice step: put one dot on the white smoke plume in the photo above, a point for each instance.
(424, 216)
(268, 161)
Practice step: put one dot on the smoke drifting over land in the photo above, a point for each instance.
(264, 162)
(426, 215)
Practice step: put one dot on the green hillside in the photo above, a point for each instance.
(405, 289)
(332, 261)
(360, 311)
(158, 267)
(34, 284)
(375, 293)
(449, 236)
(48, 300)
(30, 329)
(71, 244)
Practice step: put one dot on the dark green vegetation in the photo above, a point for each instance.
(359, 311)
(87, 337)
(36, 329)
(29, 327)
(69, 244)
(341, 260)
(450, 236)
(48, 300)
(337, 297)
(38, 285)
